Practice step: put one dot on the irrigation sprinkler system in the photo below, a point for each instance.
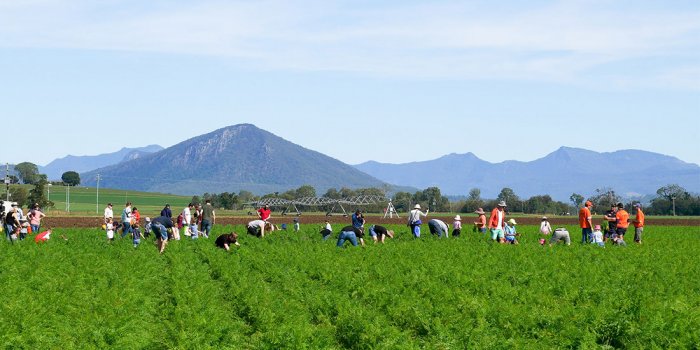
(335, 205)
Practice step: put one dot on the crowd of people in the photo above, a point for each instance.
(196, 220)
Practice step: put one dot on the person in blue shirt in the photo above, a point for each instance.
(511, 232)
(358, 220)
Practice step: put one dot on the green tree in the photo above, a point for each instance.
(473, 201)
(305, 191)
(38, 193)
(604, 198)
(511, 199)
(577, 199)
(19, 194)
(13, 179)
(402, 201)
(27, 172)
(71, 178)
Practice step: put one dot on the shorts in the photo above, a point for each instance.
(255, 231)
(496, 233)
(621, 231)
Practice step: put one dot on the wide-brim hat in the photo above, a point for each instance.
(458, 218)
(502, 204)
(544, 218)
(480, 211)
(512, 222)
(417, 206)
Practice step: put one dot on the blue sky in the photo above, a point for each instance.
(392, 81)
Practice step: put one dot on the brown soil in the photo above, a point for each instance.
(68, 222)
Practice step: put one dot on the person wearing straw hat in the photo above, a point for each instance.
(498, 217)
(545, 227)
(414, 220)
(511, 232)
(457, 226)
(480, 223)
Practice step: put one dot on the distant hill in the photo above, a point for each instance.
(82, 164)
(559, 174)
(239, 157)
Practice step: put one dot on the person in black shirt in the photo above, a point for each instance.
(611, 217)
(351, 234)
(166, 212)
(379, 233)
(160, 226)
(224, 241)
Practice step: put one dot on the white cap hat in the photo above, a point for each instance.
(417, 206)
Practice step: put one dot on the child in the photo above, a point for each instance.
(136, 232)
(296, 224)
(147, 228)
(597, 236)
(327, 231)
(510, 232)
(545, 227)
(194, 232)
(618, 240)
(457, 226)
(23, 231)
(109, 226)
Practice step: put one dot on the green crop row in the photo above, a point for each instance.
(293, 290)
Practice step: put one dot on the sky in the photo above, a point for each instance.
(390, 81)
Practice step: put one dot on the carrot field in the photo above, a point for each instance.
(296, 291)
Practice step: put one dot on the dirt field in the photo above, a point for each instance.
(319, 219)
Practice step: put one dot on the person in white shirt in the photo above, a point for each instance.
(109, 214)
(438, 227)
(545, 227)
(258, 227)
(414, 220)
(187, 219)
(597, 236)
(496, 220)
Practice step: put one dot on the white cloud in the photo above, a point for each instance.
(559, 41)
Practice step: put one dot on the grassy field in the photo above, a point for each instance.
(293, 290)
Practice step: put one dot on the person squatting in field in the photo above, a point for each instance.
(160, 227)
(379, 233)
(511, 232)
(438, 227)
(326, 231)
(496, 220)
(352, 234)
(258, 228)
(414, 220)
(226, 240)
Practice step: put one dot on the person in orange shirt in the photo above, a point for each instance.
(622, 220)
(638, 224)
(498, 217)
(480, 224)
(585, 221)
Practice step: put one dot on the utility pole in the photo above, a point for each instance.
(97, 201)
(673, 200)
(7, 180)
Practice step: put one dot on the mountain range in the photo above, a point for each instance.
(239, 157)
(244, 157)
(80, 164)
(559, 174)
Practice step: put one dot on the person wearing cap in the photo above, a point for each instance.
(611, 218)
(585, 221)
(379, 233)
(226, 240)
(480, 223)
(498, 217)
(167, 212)
(511, 232)
(545, 227)
(35, 216)
(457, 226)
(414, 220)
(109, 213)
(438, 227)
(264, 213)
(638, 224)
(597, 236)
(11, 223)
(147, 227)
(622, 220)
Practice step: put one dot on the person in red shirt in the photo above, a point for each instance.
(264, 213)
(622, 220)
(585, 221)
(638, 224)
